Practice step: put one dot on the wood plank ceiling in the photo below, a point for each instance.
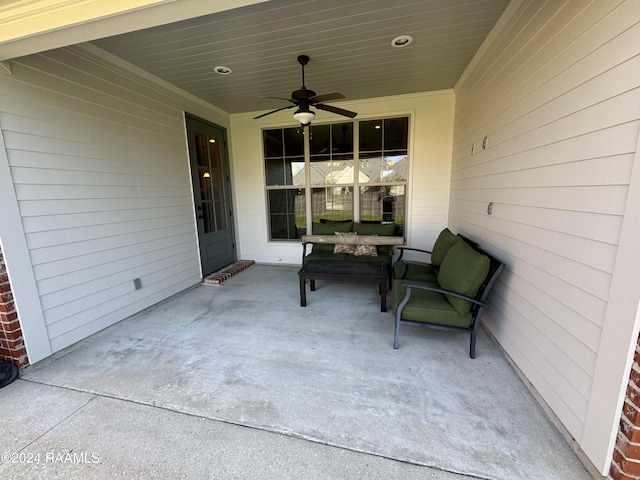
(349, 43)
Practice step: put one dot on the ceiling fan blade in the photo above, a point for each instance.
(282, 98)
(327, 97)
(273, 111)
(339, 111)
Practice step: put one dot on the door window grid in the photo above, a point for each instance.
(211, 181)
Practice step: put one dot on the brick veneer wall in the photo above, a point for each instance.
(626, 456)
(12, 347)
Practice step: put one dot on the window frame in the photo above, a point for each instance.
(356, 186)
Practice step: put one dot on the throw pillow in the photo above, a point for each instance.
(345, 248)
(366, 251)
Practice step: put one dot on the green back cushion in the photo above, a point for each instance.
(382, 229)
(444, 242)
(329, 228)
(463, 270)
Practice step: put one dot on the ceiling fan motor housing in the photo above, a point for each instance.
(302, 95)
(304, 98)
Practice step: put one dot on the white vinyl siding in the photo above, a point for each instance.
(555, 89)
(430, 133)
(100, 169)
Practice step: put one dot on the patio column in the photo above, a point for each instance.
(626, 456)
(12, 347)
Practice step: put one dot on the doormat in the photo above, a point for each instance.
(216, 278)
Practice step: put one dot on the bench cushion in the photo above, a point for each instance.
(463, 270)
(326, 255)
(382, 229)
(329, 228)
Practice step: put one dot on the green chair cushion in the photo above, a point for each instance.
(428, 307)
(329, 228)
(444, 242)
(463, 270)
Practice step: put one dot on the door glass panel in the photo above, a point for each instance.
(221, 219)
(208, 218)
(211, 183)
(214, 152)
(201, 150)
(218, 185)
(206, 190)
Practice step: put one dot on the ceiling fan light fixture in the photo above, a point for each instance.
(304, 117)
(401, 41)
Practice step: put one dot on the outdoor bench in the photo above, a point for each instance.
(351, 241)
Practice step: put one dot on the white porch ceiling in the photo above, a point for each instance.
(349, 44)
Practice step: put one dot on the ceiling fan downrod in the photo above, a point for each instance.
(303, 60)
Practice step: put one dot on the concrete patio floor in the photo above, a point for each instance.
(238, 381)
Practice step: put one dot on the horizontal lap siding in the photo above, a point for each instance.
(101, 173)
(556, 92)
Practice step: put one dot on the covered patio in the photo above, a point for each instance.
(238, 381)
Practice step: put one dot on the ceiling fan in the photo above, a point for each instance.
(304, 98)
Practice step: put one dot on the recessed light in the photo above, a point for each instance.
(401, 41)
(222, 70)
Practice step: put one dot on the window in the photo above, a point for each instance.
(328, 184)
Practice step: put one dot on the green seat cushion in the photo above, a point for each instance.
(329, 228)
(444, 242)
(428, 307)
(463, 270)
(325, 255)
(418, 273)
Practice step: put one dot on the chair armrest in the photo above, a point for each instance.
(402, 249)
(406, 263)
(422, 286)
